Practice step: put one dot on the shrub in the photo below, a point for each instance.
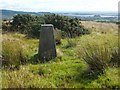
(30, 25)
(71, 26)
(97, 51)
(70, 43)
(27, 24)
(12, 53)
(6, 25)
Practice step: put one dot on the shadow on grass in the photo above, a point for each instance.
(35, 60)
(87, 76)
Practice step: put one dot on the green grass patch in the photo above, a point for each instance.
(68, 70)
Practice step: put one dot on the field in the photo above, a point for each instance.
(68, 69)
(101, 27)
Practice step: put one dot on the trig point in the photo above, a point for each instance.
(47, 46)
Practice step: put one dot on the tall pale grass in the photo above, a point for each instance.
(13, 52)
(97, 50)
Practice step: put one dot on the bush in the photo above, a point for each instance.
(97, 51)
(70, 26)
(12, 53)
(6, 25)
(27, 24)
(31, 25)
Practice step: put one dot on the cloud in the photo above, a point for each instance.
(60, 5)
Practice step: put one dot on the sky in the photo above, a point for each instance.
(60, 5)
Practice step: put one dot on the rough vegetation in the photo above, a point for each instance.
(98, 51)
(87, 61)
(30, 25)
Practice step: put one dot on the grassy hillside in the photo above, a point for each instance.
(101, 27)
(8, 14)
(68, 69)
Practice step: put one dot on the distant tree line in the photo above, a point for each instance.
(30, 25)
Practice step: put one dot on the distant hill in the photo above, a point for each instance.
(8, 14)
(87, 16)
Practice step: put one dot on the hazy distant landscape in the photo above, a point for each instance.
(94, 16)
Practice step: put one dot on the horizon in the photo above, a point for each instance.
(60, 6)
(99, 12)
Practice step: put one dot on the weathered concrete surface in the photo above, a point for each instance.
(47, 46)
